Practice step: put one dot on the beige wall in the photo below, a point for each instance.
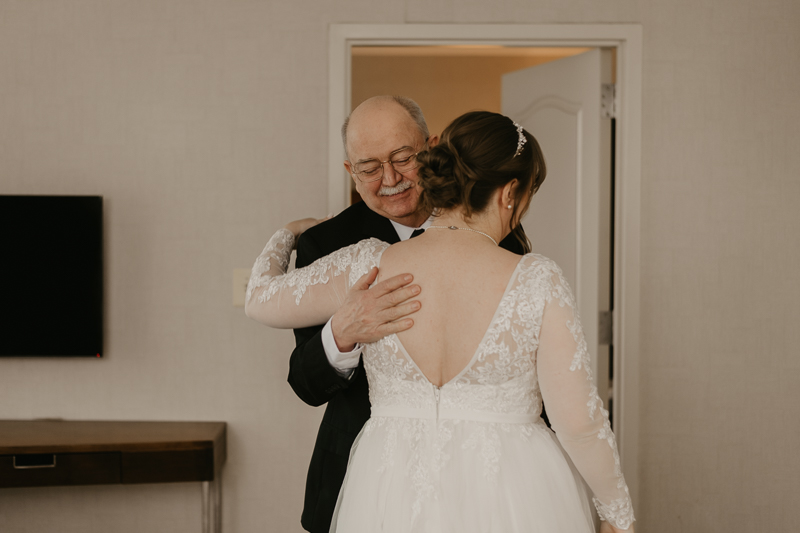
(188, 116)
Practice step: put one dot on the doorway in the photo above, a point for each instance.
(626, 40)
(549, 91)
(446, 80)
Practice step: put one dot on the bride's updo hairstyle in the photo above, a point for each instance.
(474, 158)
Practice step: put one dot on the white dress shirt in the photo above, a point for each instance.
(346, 362)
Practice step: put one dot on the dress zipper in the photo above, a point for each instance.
(436, 392)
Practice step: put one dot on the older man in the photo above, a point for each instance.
(382, 137)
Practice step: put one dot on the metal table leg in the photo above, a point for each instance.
(212, 505)
(218, 502)
(206, 507)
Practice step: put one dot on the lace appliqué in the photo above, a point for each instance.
(501, 378)
(620, 511)
(279, 249)
(357, 259)
(486, 438)
(426, 443)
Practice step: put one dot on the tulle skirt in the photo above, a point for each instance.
(411, 475)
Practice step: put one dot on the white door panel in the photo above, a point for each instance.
(559, 103)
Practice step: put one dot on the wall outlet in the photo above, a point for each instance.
(240, 278)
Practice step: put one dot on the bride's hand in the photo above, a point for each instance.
(297, 227)
(605, 527)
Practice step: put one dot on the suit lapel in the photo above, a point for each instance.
(374, 225)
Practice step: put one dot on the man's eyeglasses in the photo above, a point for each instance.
(402, 161)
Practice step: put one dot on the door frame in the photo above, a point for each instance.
(627, 39)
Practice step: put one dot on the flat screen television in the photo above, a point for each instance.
(51, 276)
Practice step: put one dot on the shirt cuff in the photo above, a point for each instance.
(343, 362)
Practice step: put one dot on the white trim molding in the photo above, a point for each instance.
(627, 39)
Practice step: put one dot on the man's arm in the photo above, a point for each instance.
(311, 375)
(366, 315)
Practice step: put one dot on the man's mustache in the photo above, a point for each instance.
(397, 189)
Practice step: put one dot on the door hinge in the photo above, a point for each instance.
(608, 101)
(605, 328)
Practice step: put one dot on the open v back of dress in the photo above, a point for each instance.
(476, 353)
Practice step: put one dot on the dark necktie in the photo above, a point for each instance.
(417, 233)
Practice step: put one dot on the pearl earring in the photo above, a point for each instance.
(509, 206)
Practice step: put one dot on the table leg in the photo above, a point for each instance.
(218, 502)
(206, 506)
(212, 505)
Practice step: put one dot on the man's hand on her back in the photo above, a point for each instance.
(369, 314)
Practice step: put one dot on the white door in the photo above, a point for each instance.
(569, 219)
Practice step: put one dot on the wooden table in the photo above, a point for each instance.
(46, 453)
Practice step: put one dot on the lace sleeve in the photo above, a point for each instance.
(307, 296)
(573, 406)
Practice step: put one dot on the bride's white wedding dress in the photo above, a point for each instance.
(472, 455)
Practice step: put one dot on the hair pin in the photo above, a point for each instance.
(522, 140)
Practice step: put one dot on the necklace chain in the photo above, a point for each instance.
(466, 229)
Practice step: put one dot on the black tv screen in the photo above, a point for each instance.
(51, 276)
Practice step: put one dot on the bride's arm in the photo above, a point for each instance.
(574, 408)
(307, 296)
(605, 527)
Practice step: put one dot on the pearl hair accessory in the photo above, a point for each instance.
(522, 140)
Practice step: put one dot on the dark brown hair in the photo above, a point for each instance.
(475, 158)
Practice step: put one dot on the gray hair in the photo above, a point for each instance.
(411, 107)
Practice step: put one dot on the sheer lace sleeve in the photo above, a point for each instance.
(573, 406)
(307, 296)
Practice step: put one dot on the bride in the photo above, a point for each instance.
(455, 442)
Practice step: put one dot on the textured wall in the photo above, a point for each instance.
(203, 123)
(721, 292)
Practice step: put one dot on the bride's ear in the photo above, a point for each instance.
(508, 194)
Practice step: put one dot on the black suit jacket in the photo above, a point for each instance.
(316, 382)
